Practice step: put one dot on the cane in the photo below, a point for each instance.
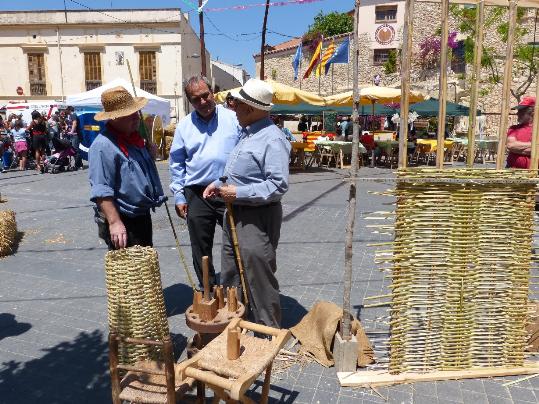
(231, 221)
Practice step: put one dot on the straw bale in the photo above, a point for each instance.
(460, 269)
(8, 232)
(136, 306)
(316, 332)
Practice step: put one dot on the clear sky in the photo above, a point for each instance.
(232, 36)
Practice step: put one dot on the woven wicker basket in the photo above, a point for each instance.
(136, 306)
(460, 269)
(8, 232)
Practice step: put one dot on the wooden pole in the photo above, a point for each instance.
(406, 54)
(202, 43)
(442, 86)
(476, 75)
(535, 135)
(206, 277)
(264, 25)
(506, 92)
(348, 251)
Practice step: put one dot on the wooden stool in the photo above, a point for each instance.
(230, 378)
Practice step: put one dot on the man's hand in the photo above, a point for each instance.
(228, 193)
(181, 210)
(118, 234)
(211, 191)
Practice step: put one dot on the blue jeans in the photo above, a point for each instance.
(75, 141)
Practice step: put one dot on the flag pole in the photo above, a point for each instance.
(332, 78)
(319, 67)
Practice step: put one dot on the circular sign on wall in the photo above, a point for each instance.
(19, 90)
(384, 34)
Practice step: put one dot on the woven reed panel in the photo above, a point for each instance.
(136, 306)
(8, 232)
(460, 269)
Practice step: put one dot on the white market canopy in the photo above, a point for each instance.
(92, 99)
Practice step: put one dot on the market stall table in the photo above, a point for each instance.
(336, 150)
(297, 158)
(485, 149)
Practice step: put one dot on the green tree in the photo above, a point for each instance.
(526, 57)
(330, 24)
(391, 65)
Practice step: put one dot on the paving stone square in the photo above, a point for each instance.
(53, 311)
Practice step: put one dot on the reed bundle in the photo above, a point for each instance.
(460, 269)
(136, 306)
(8, 232)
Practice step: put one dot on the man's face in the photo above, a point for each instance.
(525, 115)
(201, 98)
(243, 112)
(126, 124)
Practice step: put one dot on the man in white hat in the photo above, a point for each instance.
(124, 181)
(257, 179)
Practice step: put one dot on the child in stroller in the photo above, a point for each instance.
(63, 158)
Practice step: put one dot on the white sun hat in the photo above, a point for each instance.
(256, 93)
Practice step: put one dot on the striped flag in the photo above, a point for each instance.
(328, 54)
(341, 55)
(314, 60)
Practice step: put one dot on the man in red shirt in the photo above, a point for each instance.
(519, 136)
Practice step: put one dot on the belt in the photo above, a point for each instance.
(265, 205)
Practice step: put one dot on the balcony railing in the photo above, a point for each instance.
(91, 84)
(38, 88)
(149, 86)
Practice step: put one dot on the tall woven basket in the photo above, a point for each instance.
(460, 269)
(136, 307)
(8, 232)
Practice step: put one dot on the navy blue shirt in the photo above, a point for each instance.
(132, 181)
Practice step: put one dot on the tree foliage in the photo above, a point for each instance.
(526, 57)
(330, 24)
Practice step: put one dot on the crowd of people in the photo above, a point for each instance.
(29, 143)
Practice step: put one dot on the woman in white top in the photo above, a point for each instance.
(20, 145)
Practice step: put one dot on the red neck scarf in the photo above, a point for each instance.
(123, 139)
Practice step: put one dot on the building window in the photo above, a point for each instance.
(381, 56)
(36, 73)
(386, 14)
(148, 72)
(92, 70)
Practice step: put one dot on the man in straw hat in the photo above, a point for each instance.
(202, 142)
(257, 171)
(124, 181)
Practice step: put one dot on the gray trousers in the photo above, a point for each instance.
(258, 229)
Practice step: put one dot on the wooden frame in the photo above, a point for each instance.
(233, 389)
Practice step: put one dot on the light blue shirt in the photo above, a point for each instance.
(258, 165)
(133, 182)
(200, 150)
(19, 135)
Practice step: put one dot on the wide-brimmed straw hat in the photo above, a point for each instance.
(117, 102)
(256, 93)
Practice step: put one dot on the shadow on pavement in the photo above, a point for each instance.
(9, 327)
(292, 311)
(178, 298)
(285, 395)
(70, 372)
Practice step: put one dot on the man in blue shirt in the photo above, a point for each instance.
(124, 181)
(257, 172)
(202, 142)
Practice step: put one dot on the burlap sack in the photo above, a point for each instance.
(316, 332)
(533, 329)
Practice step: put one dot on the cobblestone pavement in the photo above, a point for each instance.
(53, 299)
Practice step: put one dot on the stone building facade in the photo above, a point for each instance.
(373, 42)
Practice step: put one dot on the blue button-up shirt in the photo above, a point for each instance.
(133, 182)
(258, 165)
(200, 149)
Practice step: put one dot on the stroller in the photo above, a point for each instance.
(63, 158)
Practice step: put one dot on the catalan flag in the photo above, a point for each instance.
(328, 54)
(341, 55)
(314, 60)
